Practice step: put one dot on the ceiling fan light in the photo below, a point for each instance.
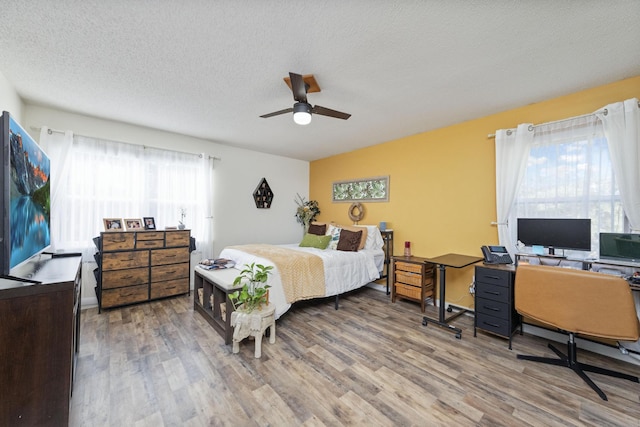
(302, 113)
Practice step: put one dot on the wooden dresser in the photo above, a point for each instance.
(139, 266)
(39, 341)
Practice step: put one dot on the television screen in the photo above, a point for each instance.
(25, 196)
(620, 246)
(560, 233)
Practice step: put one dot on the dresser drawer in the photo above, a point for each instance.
(117, 241)
(149, 244)
(128, 277)
(170, 272)
(493, 324)
(408, 291)
(408, 278)
(178, 238)
(407, 266)
(493, 276)
(124, 260)
(150, 235)
(122, 296)
(169, 256)
(169, 288)
(492, 292)
(493, 308)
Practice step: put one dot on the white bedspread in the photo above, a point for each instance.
(343, 271)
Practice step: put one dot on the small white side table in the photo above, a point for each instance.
(254, 324)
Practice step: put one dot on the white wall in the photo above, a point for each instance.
(9, 99)
(236, 176)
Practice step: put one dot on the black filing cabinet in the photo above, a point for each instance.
(494, 303)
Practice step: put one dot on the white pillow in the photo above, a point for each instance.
(335, 236)
(374, 238)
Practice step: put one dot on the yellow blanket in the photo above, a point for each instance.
(301, 273)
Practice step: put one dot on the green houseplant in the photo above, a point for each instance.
(254, 292)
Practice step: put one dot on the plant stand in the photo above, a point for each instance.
(254, 324)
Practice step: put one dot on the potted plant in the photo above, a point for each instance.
(254, 292)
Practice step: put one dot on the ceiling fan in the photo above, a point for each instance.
(302, 110)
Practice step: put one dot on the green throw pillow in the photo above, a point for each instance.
(315, 241)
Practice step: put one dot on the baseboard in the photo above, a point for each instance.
(88, 302)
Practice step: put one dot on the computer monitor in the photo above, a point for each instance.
(620, 246)
(556, 233)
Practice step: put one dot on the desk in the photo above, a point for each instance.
(453, 261)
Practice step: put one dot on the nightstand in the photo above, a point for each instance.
(413, 279)
(387, 237)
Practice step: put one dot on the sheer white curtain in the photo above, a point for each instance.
(512, 152)
(569, 175)
(58, 146)
(206, 239)
(108, 179)
(621, 122)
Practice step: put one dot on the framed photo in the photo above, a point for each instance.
(113, 224)
(149, 223)
(133, 224)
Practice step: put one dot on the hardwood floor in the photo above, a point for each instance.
(370, 363)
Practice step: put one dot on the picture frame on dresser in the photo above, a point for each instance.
(133, 224)
(113, 224)
(149, 223)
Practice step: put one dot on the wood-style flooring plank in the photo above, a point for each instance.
(370, 363)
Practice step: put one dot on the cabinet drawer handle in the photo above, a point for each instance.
(491, 324)
(170, 272)
(127, 277)
(491, 308)
(493, 277)
(492, 292)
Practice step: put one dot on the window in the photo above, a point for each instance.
(569, 175)
(112, 179)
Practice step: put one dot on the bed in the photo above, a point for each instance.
(339, 271)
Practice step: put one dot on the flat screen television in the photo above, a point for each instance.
(620, 246)
(25, 196)
(556, 233)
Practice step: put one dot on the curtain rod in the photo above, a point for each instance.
(50, 131)
(493, 135)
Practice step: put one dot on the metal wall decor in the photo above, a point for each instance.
(362, 190)
(263, 195)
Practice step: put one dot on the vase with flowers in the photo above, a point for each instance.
(306, 212)
(183, 214)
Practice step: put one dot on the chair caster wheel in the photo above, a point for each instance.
(449, 309)
(424, 322)
(458, 336)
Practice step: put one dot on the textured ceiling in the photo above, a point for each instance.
(210, 68)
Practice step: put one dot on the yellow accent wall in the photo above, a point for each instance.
(442, 182)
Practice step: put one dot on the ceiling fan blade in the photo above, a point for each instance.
(277, 113)
(299, 88)
(330, 113)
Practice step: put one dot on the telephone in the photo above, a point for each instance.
(496, 255)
